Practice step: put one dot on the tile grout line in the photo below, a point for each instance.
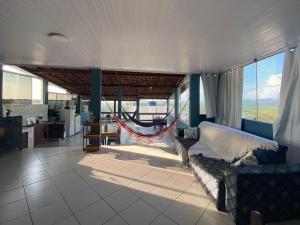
(69, 165)
(102, 199)
(23, 187)
(203, 212)
(138, 197)
(163, 212)
(72, 214)
(141, 199)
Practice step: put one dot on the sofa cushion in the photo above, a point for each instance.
(231, 144)
(198, 149)
(211, 174)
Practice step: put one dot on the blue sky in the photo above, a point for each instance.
(269, 73)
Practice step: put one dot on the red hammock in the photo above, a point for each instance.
(158, 133)
(148, 136)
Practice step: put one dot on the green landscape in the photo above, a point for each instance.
(266, 113)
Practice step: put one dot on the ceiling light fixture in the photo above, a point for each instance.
(58, 37)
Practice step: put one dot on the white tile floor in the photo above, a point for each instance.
(120, 185)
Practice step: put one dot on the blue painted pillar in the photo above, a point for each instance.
(115, 107)
(1, 90)
(120, 102)
(45, 91)
(176, 100)
(168, 105)
(138, 109)
(194, 99)
(96, 93)
(78, 104)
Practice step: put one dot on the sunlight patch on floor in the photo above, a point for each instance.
(149, 151)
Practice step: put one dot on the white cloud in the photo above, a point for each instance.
(250, 95)
(272, 88)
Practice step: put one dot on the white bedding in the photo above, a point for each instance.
(229, 143)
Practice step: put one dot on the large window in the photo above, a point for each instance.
(129, 106)
(108, 106)
(56, 93)
(151, 108)
(183, 105)
(22, 89)
(261, 89)
(202, 101)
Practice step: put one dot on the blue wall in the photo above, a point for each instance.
(258, 128)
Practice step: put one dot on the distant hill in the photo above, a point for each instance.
(266, 101)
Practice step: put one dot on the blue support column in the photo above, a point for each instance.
(176, 100)
(45, 92)
(96, 93)
(194, 99)
(138, 109)
(115, 107)
(1, 91)
(120, 102)
(78, 104)
(168, 105)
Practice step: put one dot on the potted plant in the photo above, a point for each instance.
(92, 117)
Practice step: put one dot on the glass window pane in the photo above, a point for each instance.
(37, 91)
(24, 89)
(202, 101)
(249, 109)
(51, 96)
(153, 106)
(10, 86)
(269, 74)
(107, 106)
(129, 106)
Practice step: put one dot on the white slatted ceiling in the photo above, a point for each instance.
(148, 35)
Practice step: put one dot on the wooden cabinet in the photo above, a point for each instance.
(39, 133)
(25, 140)
(10, 133)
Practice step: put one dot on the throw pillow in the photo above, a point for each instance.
(191, 133)
(270, 157)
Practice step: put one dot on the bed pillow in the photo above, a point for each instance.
(191, 133)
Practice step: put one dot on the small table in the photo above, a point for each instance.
(108, 134)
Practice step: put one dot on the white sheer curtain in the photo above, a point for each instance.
(287, 126)
(229, 104)
(210, 87)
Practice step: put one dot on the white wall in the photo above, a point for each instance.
(27, 111)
